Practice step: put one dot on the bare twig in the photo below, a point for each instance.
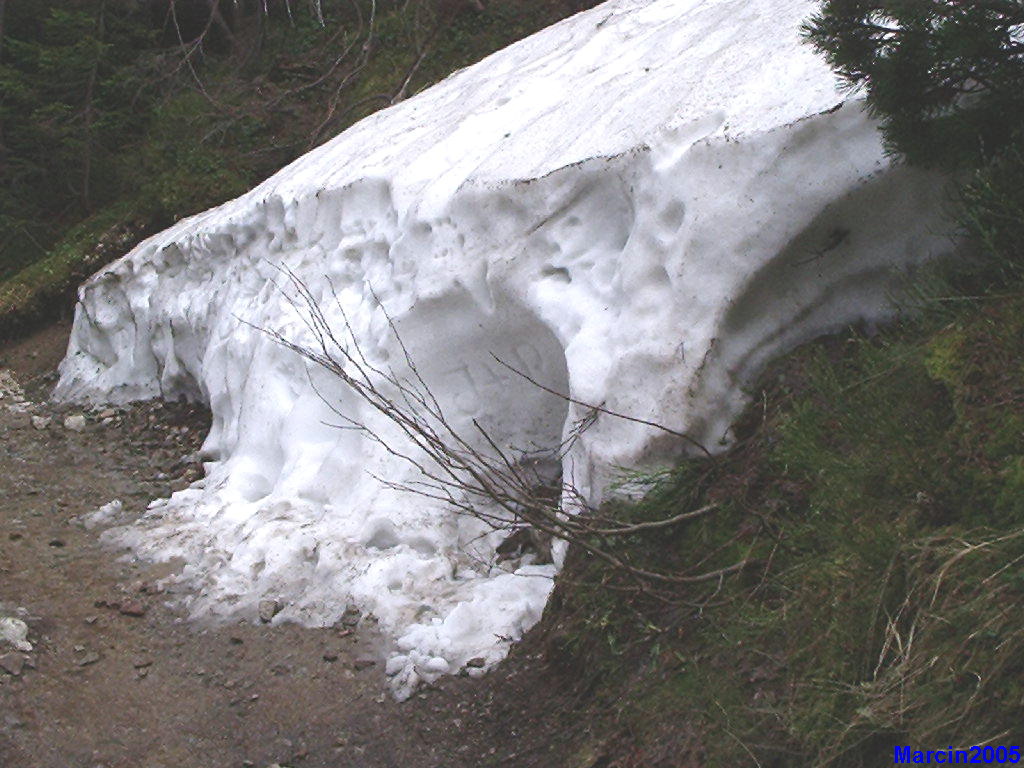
(472, 473)
(601, 409)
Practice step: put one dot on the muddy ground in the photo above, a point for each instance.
(120, 678)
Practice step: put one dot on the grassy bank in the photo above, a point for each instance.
(878, 482)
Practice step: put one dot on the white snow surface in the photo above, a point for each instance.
(638, 206)
(104, 515)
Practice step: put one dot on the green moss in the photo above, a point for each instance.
(1009, 501)
(1006, 439)
(944, 357)
(32, 291)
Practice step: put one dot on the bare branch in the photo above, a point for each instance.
(600, 409)
(472, 474)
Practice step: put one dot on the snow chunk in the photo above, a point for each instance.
(14, 632)
(105, 515)
(638, 207)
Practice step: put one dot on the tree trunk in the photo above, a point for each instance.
(89, 114)
(3, 4)
(3, 146)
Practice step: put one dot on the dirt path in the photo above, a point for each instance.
(119, 678)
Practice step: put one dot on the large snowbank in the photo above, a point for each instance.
(638, 206)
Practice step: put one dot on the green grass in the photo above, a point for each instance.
(36, 289)
(879, 482)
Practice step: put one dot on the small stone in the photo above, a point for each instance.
(89, 658)
(268, 609)
(132, 608)
(363, 662)
(90, 620)
(41, 422)
(142, 662)
(14, 536)
(21, 418)
(12, 663)
(477, 662)
(351, 616)
(75, 422)
(56, 543)
(107, 413)
(330, 656)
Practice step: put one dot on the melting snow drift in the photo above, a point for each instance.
(638, 206)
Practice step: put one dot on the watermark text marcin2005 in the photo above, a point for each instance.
(950, 756)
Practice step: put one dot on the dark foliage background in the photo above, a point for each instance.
(119, 116)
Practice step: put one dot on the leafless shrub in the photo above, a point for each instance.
(472, 473)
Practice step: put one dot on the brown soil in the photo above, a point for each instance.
(105, 686)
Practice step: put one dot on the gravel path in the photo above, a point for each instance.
(119, 677)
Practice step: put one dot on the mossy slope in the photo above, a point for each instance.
(878, 482)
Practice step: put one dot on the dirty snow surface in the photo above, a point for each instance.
(637, 207)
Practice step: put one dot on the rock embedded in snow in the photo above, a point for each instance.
(351, 616)
(637, 207)
(268, 609)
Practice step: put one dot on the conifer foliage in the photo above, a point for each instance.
(946, 77)
(946, 80)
